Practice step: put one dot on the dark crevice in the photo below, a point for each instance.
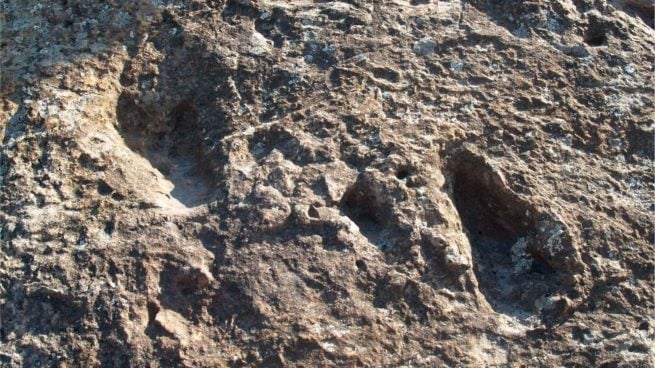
(110, 226)
(403, 173)
(104, 188)
(387, 74)
(595, 39)
(596, 34)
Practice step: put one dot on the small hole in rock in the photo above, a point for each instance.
(361, 264)
(595, 38)
(313, 212)
(153, 309)
(104, 188)
(109, 227)
(402, 174)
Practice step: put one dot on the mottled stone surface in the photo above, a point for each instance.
(323, 183)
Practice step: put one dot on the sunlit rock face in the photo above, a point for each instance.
(320, 183)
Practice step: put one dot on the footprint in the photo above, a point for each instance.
(523, 255)
(173, 145)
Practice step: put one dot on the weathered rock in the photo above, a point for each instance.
(294, 183)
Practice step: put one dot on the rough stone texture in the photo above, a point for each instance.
(323, 183)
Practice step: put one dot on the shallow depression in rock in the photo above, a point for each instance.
(173, 145)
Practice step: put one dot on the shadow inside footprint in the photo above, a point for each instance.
(505, 232)
(173, 146)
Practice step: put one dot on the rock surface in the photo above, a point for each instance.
(326, 183)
